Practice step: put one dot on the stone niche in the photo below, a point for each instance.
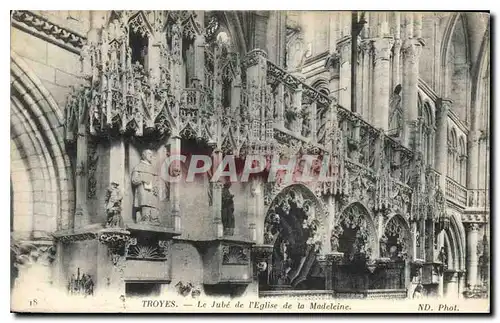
(227, 262)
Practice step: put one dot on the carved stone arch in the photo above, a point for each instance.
(37, 133)
(301, 195)
(450, 246)
(456, 65)
(397, 227)
(233, 23)
(457, 231)
(480, 75)
(357, 216)
(448, 32)
(321, 84)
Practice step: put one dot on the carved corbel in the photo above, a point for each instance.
(116, 241)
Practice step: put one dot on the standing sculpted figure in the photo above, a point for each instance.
(113, 203)
(145, 181)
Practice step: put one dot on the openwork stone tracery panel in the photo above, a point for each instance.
(297, 196)
(355, 232)
(396, 240)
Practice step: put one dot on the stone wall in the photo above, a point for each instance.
(57, 68)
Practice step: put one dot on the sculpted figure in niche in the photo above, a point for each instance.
(396, 113)
(145, 181)
(114, 206)
(334, 239)
(227, 213)
(383, 246)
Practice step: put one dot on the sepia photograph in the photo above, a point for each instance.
(250, 161)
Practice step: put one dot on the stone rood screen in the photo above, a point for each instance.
(250, 161)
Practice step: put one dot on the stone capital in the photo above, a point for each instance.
(411, 50)
(254, 57)
(443, 105)
(382, 48)
(472, 227)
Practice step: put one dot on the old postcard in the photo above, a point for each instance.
(250, 161)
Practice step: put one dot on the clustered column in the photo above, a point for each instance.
(381, 86)
(411, 53)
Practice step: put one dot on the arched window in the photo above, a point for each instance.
(457, 70)
(427, 140)
(462, 161)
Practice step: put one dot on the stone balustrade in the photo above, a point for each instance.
(456, 192)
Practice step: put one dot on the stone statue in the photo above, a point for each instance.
(145, 181)
(443, 257)
(227, 212)
(334, 239)
(113, 203)
(396, 112)
(383, 246)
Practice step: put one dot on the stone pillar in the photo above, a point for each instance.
(344, 48)
(81, 213)
(411, 53)
(297, 107)
(313, 121)
(327, 247)
(396, 64)
(452, 287)
(417, 25)
(366, 79)
(440, 289)
(472, 261)
(461, 284)
(473, 162)
(441, 163)
(381, 85)
(255, 63)
(199, 54)
(253, 208)
(175, 150)
(280, 105)
(217, 197)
